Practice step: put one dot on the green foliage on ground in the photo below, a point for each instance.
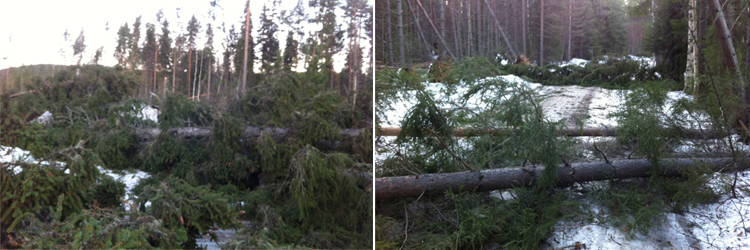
(522, 218)
(96, 228)
(613, 73)
(203, 180)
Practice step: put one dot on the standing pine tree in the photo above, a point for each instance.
(122, 44)
(239, 50)
(134, 49)
(330, 35)
(148, 58)
(229, 44)
(165, 47)
(267, 39)
(290, 52)
(192, 32)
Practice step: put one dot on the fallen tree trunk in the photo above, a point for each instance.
(493, 179)
(571, 132)
(250, 132)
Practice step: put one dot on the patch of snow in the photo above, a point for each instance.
(149, 113)
(575, 61)
(648, 62)
(657, 75)
(504, 62)
(45, 119)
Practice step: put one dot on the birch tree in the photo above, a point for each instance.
(692, 52)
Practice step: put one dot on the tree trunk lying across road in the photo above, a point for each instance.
(469, 132)
(250, 132)
(493, 179)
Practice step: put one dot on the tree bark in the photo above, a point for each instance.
(244, 60)
(441, 24)
(523, 24)
(389, 32)
(470, 49)
(570, 132)
(190, 61)
(493, 179)
(730, 56)
(400, 30)
(570, 24)
(249, 133)
(541, 36)
(691, 50)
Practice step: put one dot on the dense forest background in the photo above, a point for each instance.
(413, 31)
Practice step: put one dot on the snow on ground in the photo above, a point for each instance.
(718, 225)
(575, 61)
(130, 178)
(712, 226)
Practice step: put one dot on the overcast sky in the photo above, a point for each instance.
(31, 31)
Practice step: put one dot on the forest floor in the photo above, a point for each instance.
(719, 225)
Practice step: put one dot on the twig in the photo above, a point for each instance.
(449, 150)
(406, 227)
(602, 153)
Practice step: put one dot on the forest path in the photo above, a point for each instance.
(567, 103)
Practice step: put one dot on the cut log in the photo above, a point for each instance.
(250, 132)
(494, 179)
(571, 132)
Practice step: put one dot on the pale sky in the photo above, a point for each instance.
(31, 31)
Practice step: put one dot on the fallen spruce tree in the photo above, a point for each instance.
(570, 132)
(493, 179)
(248, 133)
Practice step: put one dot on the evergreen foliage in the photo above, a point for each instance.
(522, 218)
(610, 73)
(269, 43)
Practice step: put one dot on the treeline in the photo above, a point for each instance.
(544, 31)
(169, 59)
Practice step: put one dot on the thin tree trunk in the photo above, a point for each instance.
(570, 25)
(469, 51)
(419, 27)
(510, 47)
(400, 30)
(156, 57)
(502, 178)
(244, 60)
(441, 24)
(190, 63)
(523, 24)
(200, 73)
(541, 36)
(445, 45)
(208, 88)
(725, 40)
(389, 32)
(691, 50)
(747, 51)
